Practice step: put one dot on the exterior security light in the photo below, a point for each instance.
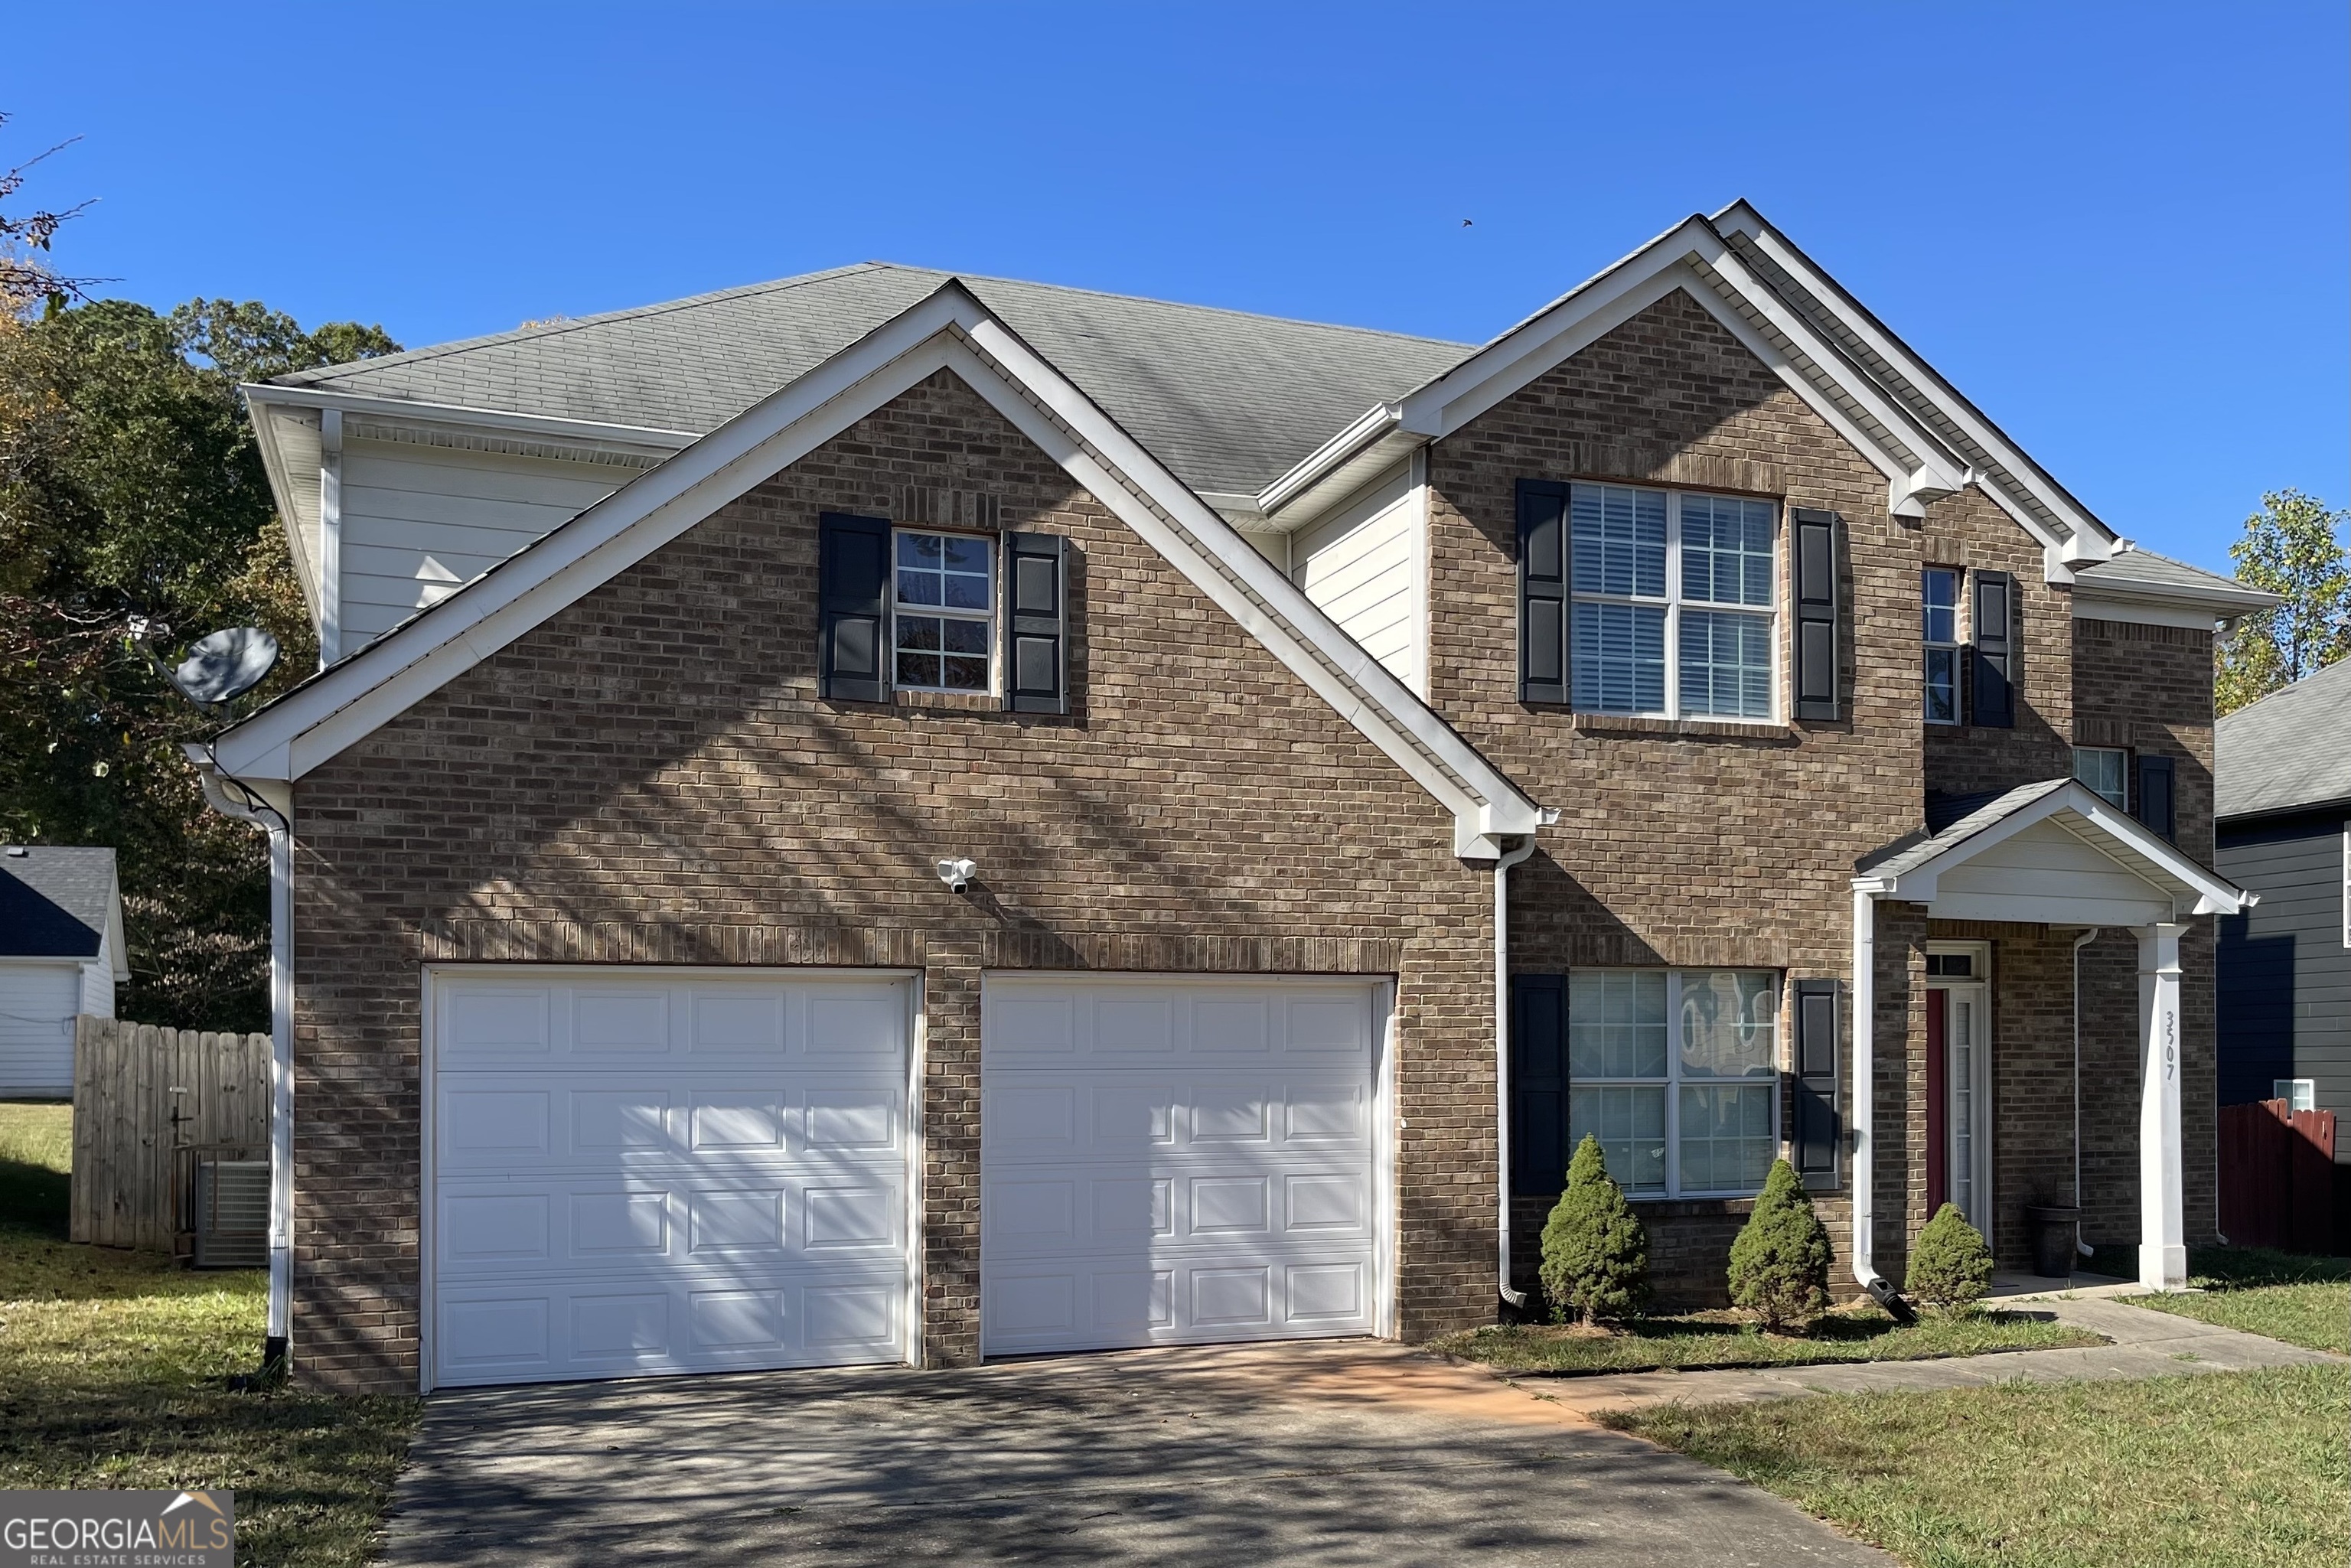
(956, 874)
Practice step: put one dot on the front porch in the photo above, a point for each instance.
(2040, 985)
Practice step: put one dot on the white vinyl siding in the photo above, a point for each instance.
(97, 985)
(37, 1003)
(1362, 568)
(418, 522)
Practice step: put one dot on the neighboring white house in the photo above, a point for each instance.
(60, 954)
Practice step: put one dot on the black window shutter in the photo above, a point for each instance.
(1815, 643)
(2154, 797)
(1035, 630)
(1812, 1140)
(1538, 1085)
(853, 587)
(1543, 547)
(1991, 696)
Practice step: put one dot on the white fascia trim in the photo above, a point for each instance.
(1448, 404)
(2092, 540)
(2212, 601)
(2212, 895)
(1364, 429)
(289, 516)
(116, 949)
(392, 674)
(400, 408)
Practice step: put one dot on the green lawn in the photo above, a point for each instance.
(1698, 1340)
(114, 1368)
(2209, 1472)
(2301, 1300)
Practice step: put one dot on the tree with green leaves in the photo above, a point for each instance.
(1595, 1252)
(2292, 547)
(130, 489)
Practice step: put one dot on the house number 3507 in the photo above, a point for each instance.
(2170, 1045)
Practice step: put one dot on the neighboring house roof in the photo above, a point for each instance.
(56, 903)
(1226, 398)
(2290, 750)
(951, 330)
(1909, 869)
(2138, 573)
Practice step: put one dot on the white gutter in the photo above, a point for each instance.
(233, 798)
(1502, 865)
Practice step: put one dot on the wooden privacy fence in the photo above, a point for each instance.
(143, 1098)
(2277, 1176)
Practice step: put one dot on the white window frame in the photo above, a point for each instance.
(2123, 772)
(1673, 1081)
(1930, 645)
(1981, 1086)
(986, 618)
(1672, 604)
(2299, 1094)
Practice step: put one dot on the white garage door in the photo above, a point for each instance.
(1176, 1161)
(640, 1171)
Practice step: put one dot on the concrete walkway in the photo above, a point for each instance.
(1332, 1454)
(2144, 1345)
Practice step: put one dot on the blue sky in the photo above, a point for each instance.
(2120, 229)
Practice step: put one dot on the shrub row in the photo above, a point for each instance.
(1595, 1254)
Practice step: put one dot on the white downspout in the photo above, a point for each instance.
(222, 792)
(1865, 1162)
(2081, 1248)
(1502, 865)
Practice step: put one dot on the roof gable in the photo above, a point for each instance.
(949, 329)
(2086, 841)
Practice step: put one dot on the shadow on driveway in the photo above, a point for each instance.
(1338, 1453)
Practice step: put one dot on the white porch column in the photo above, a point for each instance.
(2163, 1232)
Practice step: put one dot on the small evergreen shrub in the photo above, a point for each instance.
(1780, 1264)
(1595, 1251)
(1950, 1268)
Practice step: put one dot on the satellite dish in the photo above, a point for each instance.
(226, 664)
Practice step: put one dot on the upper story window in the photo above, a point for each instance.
(2104, 769)
(942, 612)
(1939, 598)
(1675, 602)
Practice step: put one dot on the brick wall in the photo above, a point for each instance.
(651, 777)
(1691, 843)
(1969, 530)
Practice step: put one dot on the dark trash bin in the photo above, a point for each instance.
(2052, 1240)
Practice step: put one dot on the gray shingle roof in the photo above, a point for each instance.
(1228, 401)
(2291, 748)
(2143, 569)
(54, 902)
(1974, 814)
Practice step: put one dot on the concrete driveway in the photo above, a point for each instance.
(1347, 1452)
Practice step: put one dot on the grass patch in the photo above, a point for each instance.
(2209, 1472)
(35, 1164)
(111, 1375)
(1695, 1341)
(2282, 1296)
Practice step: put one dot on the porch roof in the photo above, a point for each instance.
(2051, 852)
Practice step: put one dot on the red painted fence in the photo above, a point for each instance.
(2277, 1176)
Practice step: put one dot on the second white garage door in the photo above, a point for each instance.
(1172, 1160)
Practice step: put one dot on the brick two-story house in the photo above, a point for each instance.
(890, 817)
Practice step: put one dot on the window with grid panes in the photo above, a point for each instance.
(1676, 1071)
(1675, 602)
